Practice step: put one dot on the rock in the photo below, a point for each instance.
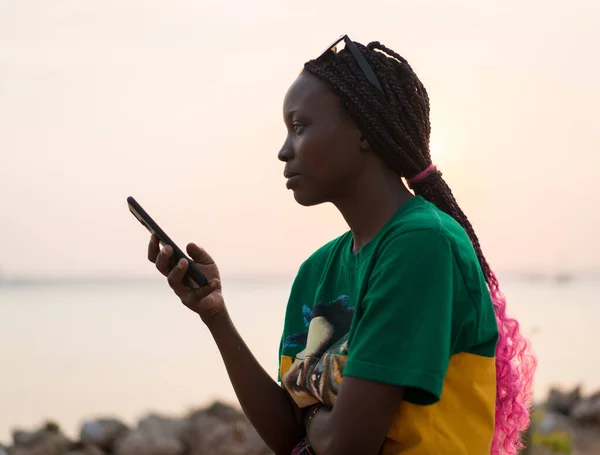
(137, 442)
(222, 430)
(21, 437)
(224, 412)
(102, 432)
(154, 435)
(562, 402)
(568, 420)
(48, 440)
(553, 422)
(161, 427)
(587, 410)
(81, 448)
(217, 430)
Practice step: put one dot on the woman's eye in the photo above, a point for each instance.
(298, 127)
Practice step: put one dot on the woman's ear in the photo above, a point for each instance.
(364, 143)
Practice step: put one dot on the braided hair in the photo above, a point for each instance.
(396, 124)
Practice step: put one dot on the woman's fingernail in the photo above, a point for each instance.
(181, 263)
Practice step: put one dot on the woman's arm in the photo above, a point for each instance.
(359, 421)
(269, 407)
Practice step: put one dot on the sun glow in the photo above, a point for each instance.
(436, 148)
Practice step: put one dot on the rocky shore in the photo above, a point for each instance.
(217, 430)
(568, 422)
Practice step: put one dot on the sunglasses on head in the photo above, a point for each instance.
(360, 59)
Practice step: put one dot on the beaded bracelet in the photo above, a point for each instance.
(312, 414)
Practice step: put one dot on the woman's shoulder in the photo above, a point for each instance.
(425, 230)
(325, 252)
(420, 214)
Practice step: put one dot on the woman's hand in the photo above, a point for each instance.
(207, 301)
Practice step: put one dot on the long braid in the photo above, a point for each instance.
(397, 126)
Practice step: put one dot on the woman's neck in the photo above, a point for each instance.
(371, 207)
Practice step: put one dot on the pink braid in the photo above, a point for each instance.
(515, 367)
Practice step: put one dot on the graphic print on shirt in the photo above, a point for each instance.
(315, 373)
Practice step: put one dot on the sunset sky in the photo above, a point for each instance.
(178, 103)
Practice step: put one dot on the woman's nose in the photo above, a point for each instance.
(286, 153)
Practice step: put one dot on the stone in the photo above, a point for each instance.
(48, 440)
(81, 448)
(137, 442)
(102, 432)
(587, 410)
(562, 402)
(154, 435)
(222, 430)
(224, 412)
(161, 427)
(553, 422)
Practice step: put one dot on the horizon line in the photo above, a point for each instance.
(529, 275)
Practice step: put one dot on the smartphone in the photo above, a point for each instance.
(193, 275)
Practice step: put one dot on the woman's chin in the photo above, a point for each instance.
(306, 199)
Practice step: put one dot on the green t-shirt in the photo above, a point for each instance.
(398, 312)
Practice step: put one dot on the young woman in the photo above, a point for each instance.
(396, 338)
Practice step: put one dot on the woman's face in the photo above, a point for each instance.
(322, 150)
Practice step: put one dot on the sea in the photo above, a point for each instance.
(76, 350)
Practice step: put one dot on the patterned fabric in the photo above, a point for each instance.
(303, 448)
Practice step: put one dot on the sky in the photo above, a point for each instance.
(179, 104)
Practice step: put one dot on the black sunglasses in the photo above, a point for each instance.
(360, 59)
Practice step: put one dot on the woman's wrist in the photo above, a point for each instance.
(218, 322)
(311, 414)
